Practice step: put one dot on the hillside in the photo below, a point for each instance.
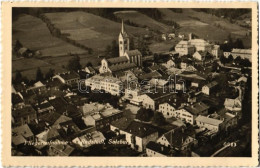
(207, 26)
(33, 34)
(91, 30)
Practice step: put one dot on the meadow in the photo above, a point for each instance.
(33, 33)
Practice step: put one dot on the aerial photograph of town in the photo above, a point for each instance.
(131, 82)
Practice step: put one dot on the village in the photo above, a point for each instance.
(191, 101)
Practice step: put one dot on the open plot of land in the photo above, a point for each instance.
(28, 67)
(206, 26)
(90, 30)
(33, 33)
(141, 19)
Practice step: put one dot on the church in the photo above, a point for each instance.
(128, 59)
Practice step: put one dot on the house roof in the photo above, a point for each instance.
(16, 98)
(27, 110)
(208, 120)
(18, 140)
(160, 94)
(176, 137)
(69, 75)
(122, 67)
(158, 148)
(232, 103)
(242, 51)
(133, 52)
(43, 105)
(197, 108)
(62, 119)
(91, 69)
(116, 60)
(66, 149)
(140, 129)
(122, 123)
(49, 134)
(150, 75)
(23, 130)
(59, 104)
(212, 84)
(50, 118)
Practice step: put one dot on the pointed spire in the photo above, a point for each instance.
(122, 28)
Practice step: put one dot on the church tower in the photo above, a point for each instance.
(123, 41)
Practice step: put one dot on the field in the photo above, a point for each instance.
(33, 33)
(88, 29)
(207, 26)
(142, 20)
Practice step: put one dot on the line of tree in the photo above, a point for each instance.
(238, 43)
(226, 13)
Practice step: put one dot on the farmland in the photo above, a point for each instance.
(142, 20)
(33, 34)
(206, 26)
(88, 29)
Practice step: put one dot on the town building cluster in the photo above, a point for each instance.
(194, 102)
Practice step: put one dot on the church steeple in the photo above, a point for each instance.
(123, 40)
(122, 27)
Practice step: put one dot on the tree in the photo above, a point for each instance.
(18, 77)
(159, 119)
(74, 64)
(144, 114)
(89, 64)
(114, 49)
(230, 59)
(237, 60)
(39, 75)
(17, 45)
(223, 59)
(50, 73)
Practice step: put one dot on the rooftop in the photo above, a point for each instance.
(116, 60)
(27, 110)
(212, 84)
(208, 120)
(159, 148)
(122, 123)
(69, 75)
(197, 108)
(133, 52)
(122, 67)
(140, 129)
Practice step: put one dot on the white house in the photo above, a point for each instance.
(137, 134)
(233, 104)
(209, 88)
(106, 83)
(177, 139)
(209, 123)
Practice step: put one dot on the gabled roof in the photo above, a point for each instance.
(159, 148)
(50, 118)
(197, 108)
(27, 110)
(65, 149)
(140, 129)
(122, 67)
(16, 98)
(212, 84)
(116, 60)
(69, 75)
(49, 134)
(23, 130)
(176, 137)
(122, 123)
(208, 120)
(133, 52)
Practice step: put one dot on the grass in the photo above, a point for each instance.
(143, 20)
(33, 33)
(207, 26)
(88, 29)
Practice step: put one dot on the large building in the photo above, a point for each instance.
(193, 45)
(243, 53)
(109, 84)
(128, 59)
